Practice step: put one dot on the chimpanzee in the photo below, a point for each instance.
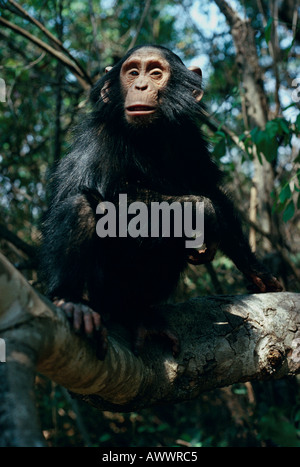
(142, 139)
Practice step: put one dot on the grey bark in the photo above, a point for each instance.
(224, 339)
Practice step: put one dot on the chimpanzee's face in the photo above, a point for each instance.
(143, 75)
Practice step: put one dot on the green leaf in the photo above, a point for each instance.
(272, 128)
(255, 134)
(286, 51)
(105, 437)
(285, 193)
(297, 123)
(284, 125)
(268, 30)
(220, 133)
(259, 158)
(220, 148)
(266, 140)
(289, 211)
(269, 149)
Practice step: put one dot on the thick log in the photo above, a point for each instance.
(224, 340)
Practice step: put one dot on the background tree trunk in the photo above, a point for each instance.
(256, 113)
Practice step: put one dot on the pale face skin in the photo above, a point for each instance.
(142, 76)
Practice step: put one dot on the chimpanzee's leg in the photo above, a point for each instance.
(162, 274)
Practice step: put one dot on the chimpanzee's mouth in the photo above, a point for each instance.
(140, 109)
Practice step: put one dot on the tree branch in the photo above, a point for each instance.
(230, 14)
(55, 53)
(215, 125)
(11, 237)
(225, 339)
(24, 14)
(140, 25)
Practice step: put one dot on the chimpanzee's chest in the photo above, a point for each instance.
(143, 270)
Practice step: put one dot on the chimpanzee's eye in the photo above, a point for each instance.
(134, 73)
(156, 73)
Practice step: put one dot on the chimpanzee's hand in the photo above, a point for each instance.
(203, 255)
(84, 319)
(263, 282)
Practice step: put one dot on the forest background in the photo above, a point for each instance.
(51, 52)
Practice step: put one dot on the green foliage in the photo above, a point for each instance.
(287, 199)
(277, 132)
(275, 426)
(221, 418)
(268, 30)
(220, 147)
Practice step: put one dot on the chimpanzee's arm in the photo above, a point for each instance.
(68, 232)
(236, 246)
(66, 265)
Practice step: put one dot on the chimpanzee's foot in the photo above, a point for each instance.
(84, 319)
(264, 282)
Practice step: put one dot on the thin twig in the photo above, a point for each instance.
(44, 46)
(50, 36)
(138, 29)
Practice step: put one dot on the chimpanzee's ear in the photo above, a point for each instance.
(105, 90)
(195, 69)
